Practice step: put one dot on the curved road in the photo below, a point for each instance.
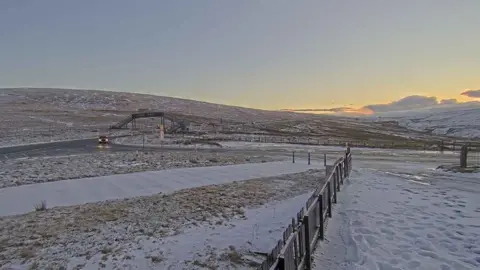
(59, 148)
(86, 146)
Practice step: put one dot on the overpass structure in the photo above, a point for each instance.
(177, 125)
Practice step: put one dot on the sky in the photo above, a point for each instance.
(270, 54)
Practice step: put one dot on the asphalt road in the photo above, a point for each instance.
(73, 147)
(88, 146)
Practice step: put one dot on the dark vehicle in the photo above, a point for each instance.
(102, 139)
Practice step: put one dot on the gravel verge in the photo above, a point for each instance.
(108, 232)
(22, 171)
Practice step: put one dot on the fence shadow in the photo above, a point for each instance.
(300, 238)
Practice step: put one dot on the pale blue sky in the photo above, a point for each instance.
(266, 54)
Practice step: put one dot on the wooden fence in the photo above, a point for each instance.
(294, 251)
(405, 144)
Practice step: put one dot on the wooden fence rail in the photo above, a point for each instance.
(437, 145)
(294, 250)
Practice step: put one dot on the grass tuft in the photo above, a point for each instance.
(42, 206)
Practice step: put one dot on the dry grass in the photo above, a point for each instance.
(34, 266)
(156, 259)
(155, 216)
(234, 256)
(26, 253)
(25, 171)
(42, 206)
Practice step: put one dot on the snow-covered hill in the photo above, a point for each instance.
(456, 121)
(30, 115)
(70, 99)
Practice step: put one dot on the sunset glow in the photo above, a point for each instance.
(262, 54)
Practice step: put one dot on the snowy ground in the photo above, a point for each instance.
(153, 140)
(459, 121)
(111, 187)
(404, 215)
(22, 171)
(211, 227)
(397, 212)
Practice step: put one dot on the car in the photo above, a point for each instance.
(102, 139)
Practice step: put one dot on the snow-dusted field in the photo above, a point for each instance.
(404, 215)
(170, 142)
(397, 212)
(111, 187)
(199, 228)
(22, 171)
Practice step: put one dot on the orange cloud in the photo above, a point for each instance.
(405, 104)
(340, 110)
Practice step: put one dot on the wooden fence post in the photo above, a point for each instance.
(308, 254)
(339, 179)
(329, 200)
(295, 243)
(325, 160)
(346, 160)
(281, 263)
(320, 203)
(464, 156)
(335, 174)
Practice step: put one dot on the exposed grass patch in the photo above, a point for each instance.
(200, 264)
(234, 256)
(106, 250)
(155, 258)
(42, 206)
(34, 266)
(213, 160)
(27, 253)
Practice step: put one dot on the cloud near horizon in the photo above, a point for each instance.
(338, 110)
(471, 93)
(405, 104)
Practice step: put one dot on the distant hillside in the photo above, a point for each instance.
(68, 99)
(83, 111)
(456, 121)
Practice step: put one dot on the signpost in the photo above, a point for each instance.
(162, 132)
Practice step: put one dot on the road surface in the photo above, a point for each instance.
(59, 148)
(85, 146)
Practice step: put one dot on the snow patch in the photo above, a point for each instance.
(390, 223)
